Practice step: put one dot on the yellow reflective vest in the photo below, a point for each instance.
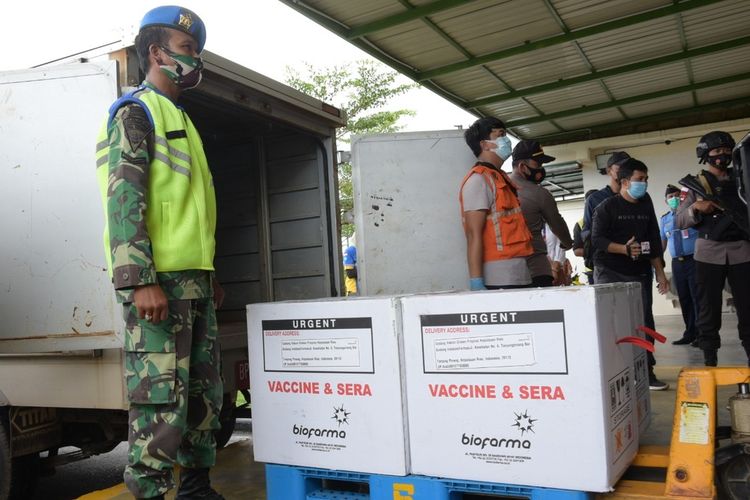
(180, 202)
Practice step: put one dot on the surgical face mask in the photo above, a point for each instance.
(504, 149)
(186, 72)
(536, 175)
(720, 161)
(637, 189)
(673, 202)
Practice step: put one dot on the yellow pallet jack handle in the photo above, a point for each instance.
(689, 459)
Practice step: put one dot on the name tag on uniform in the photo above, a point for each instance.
(646, 247)
(685, 234)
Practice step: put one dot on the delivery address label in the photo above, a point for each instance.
(495, 342)
(318, 345)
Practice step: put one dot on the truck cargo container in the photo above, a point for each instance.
(272, 153)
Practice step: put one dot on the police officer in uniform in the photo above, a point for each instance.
(722, 251)
(160, 205)
(681, 245)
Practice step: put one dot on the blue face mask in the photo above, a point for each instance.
(673, 202)
(637, 189)
(504, 149)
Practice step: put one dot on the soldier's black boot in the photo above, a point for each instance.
(710, 358)
(195, 484)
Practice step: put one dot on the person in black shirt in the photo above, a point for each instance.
(627, 243)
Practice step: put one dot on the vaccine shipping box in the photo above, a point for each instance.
(326, 384)
(523, 387)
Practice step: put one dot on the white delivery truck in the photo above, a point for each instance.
(272, 153)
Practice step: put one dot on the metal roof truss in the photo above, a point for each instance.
(533, 62)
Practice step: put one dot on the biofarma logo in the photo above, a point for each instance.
(522, 421)
(339, 414)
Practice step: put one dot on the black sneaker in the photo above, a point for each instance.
(655, 384)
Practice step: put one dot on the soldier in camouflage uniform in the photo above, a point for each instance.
(172, 369)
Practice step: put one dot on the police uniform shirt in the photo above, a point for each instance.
(680, 242)
(710, 251)
(539, 208)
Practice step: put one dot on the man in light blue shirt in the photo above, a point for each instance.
(681, 245)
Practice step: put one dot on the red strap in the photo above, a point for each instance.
(652, 333)
(637, 341)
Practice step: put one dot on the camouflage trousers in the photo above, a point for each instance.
(173, 380)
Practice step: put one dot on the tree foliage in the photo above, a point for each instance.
(362, 90)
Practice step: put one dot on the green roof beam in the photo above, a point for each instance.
(403, 17)
(566, 37)
(607, 73)
(618, 127)
(629, 100)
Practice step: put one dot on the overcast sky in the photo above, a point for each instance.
(264, 35)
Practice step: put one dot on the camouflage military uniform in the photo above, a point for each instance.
(172, 370)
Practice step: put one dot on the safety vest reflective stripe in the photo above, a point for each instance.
(512, 211)
(495, 218)
(158, 155)
(161, 141)
(498, 231)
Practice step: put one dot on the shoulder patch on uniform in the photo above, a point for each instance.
(136, 124)
(134, 160)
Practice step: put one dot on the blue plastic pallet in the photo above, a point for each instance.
(284, 482)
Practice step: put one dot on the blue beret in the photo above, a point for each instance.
(179, 18)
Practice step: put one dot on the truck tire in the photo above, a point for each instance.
(5, 463)
(17, 475)
(24, 474)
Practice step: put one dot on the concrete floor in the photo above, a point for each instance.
(237, 476)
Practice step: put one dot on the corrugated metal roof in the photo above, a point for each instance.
(562, 70)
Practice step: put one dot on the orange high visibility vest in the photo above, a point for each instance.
(505, 232)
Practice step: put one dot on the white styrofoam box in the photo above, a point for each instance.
(522, 386)
(326, 384)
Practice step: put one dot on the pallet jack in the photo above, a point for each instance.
(694, 467)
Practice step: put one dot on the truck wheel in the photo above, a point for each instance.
(5, 464)
(25, 471)
(17, 475)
